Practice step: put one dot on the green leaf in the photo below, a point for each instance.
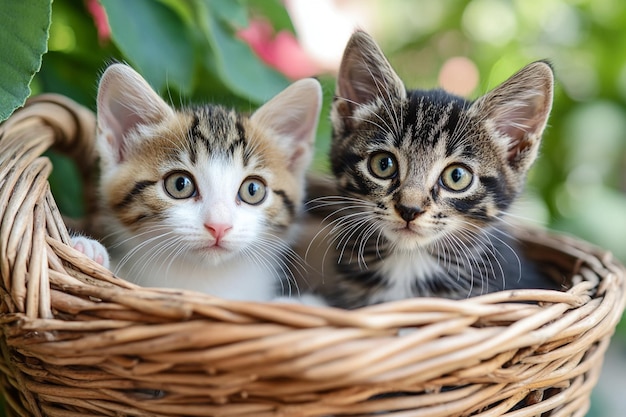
(155, 39)
(231, 12)
(274, 11)
(24, 29)
(234, 62)
(183, 8)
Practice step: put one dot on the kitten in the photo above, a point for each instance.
(202, 198)
(424, 180)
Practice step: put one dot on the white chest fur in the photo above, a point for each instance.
(402, 269)
(238, 279)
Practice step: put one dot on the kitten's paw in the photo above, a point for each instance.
(92, 248)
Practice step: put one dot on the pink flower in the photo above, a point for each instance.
(100, 19)
(280, 51)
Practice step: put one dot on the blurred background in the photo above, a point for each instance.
(242, 52)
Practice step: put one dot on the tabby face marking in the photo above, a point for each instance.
(431, 175)
(200, 197)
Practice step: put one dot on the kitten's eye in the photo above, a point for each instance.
(456, 177)
(180, 185)
(252, 191)
(383, 165)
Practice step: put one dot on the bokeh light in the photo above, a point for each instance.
(459, 75)
(491, 21)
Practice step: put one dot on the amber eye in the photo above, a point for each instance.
(252, 191)
(383, 165)
(180, 185)
(456, 177)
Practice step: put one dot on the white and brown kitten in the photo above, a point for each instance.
(423, 180)
(202, 198)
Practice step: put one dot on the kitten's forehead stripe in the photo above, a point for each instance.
(237, 141)
(468, 151)
(438, 125)
(193, 135)
(201, 133)
(218, 130)
(241, 134)
(437, 114)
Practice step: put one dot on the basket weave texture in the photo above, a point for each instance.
(76, 340)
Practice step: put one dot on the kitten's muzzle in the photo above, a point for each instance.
(408, 213)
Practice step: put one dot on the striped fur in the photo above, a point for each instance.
(411, 234)
(215, 239)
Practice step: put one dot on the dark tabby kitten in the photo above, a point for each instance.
(424, 179)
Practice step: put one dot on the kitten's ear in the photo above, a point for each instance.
(517, 112)
(364, 76)
(293, 115)
(125, 101)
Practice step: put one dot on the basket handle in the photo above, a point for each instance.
(27, 209)
(73, 125)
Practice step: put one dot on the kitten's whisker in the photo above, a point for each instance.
(381, 229)
(495, 253)
(344, 231)
(512, 250)
(351, 228)
(293, 261)
(365, 238)
(252, 254)
(346, 203)
(465, 260)
(341, 199)
(118, 243)
(159, 255)
(514, 224)
(361, 119)
(440, 248)
(455, 256)
(149, 258)
(332, 225)
(478, 255)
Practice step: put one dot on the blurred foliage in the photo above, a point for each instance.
(188, 50)
(21, 50)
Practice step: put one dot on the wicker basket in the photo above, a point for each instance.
(78, 341)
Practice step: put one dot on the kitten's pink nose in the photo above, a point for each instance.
(218, 230)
